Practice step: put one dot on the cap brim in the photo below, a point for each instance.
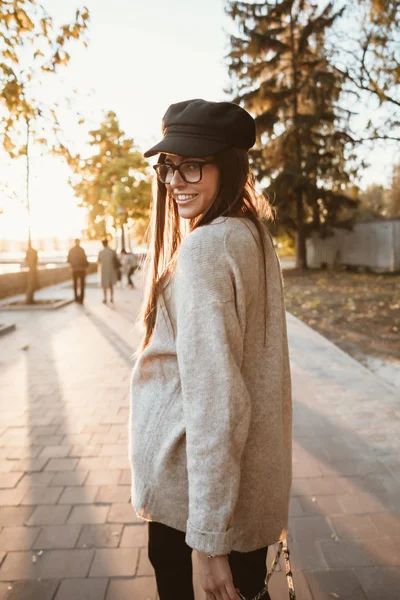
(189, 146)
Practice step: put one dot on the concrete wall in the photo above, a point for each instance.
(375, 245)
(15, 283)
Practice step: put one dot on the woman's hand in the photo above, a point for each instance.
(216, 577)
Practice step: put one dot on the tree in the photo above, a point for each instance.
(30, 47)
(393, 196)
(282, 74)
(373, 202)
(369, 58)
(112, 183)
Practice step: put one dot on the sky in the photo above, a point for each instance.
(142, 56)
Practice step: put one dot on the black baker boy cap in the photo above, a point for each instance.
(198, 128)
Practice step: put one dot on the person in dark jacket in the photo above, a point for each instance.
(78, 260)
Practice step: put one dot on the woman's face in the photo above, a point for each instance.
(193, 199)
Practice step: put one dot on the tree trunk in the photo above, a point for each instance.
(301, 251)
(301, 259)
(122, 237)
(31, 284)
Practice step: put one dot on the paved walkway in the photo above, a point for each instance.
(67, 530)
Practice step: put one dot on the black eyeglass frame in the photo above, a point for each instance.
(177, 168)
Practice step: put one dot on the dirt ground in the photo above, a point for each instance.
(359, 312)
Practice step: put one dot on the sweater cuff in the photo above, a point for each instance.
(210, 542)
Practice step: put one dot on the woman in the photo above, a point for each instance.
(210, 423)
(108, 266)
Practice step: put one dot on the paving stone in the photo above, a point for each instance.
(126, 477)
(319, 486)
(61, 464)
(340, 554)
(113, 450)
(18, 538)
(48, 440)
(379, 583)
(319, 505)
(113, 419)
(98, 536)
(52, 564)
(307, 555)
(57, 537)
(326, 585)
(95, 428)
(103, 477)
(3, 590)
(69, 478)
(134, 536)
(99, 463)
(29, 464)
(354, 526)
(55, 451)
(35, 479)
(310, 528)
(49, 515)
(10, 480)
(361, 503)
(42, 495)
(307, 467)
(78, 495)
(347, 468)
(15, 515)
(31, 590)
(119, 462)
(11, 497)
(23, 452)
(81, 440)
(114, 494)
(387, 524)
(79, 450)
(295, 508)
(145, 568)
(384, 550)
(142, 588)
(6, 465)
(89, 514)
(118, 562)
(46, 430)
(82, 589)
(122, 513)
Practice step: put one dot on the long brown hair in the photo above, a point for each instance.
(236, 197)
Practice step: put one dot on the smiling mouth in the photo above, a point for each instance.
(184, 198)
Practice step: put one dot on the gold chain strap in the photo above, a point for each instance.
(283, 546)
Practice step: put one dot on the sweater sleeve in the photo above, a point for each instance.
(216, 402)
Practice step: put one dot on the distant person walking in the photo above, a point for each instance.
(129, 263)
(109, 264)
(78, 260)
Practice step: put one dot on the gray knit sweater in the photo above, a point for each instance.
(211, 410)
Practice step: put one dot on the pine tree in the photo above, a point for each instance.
(113, 182)
(393, 197)
(282, 74)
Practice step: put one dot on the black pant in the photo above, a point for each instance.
(78, 277)
(171, 558)
(129, 275)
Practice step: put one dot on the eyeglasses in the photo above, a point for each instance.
(190, 171)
